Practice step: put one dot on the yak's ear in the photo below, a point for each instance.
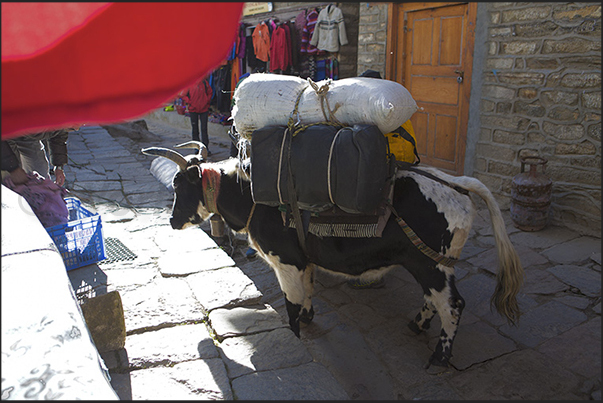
(193, 174)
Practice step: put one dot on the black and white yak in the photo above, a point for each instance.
(440, 216)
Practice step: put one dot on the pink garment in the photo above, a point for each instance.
(44, 197)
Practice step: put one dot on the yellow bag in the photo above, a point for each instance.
(403, 143)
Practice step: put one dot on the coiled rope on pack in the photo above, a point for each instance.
(321, 92)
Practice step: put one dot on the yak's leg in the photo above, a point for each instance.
(307, 311)
(423, 319)
(449, 305)
(291, 280)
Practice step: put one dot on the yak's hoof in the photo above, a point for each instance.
(412, 325)
(295, 330)
(305, 316)
(436, 366)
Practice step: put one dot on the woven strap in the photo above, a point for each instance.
(299, 227)
(426, 250)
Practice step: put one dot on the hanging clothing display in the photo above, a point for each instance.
(294, 43)
(280, 52)
(235, 73)
(296, 47)
(329, 30)
(334, 69)
(321, 72)
(221, 78)
(242, 40)
(261, 41)
(300, 23)
(312, 67)
(254, 63)
(241, 49)
(288, 46)
(304, 67)
(308, 31)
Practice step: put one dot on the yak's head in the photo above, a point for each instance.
(189, 203)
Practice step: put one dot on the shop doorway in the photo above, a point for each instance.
(430, 52)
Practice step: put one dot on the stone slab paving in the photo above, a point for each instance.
(524, 375)
(360, 372)
(243, 320)
(203, 379)
(263, 351)
(574, 251)
(225, 287)
(165, 301)
(170, 346)
(205, 322)
(310, 381)
(577, 349)
(544, 322)
(478, 342)
(582, 279)
(193, 261)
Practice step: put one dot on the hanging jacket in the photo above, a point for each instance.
(330, 30)
(198, 97)
(280, 52)
(242, 40)
(261, 41)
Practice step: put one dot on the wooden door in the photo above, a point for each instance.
(432, 56)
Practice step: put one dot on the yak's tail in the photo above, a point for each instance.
(510, 275)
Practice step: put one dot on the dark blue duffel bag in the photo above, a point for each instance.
(344, 167)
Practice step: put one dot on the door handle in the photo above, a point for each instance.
(461, 76)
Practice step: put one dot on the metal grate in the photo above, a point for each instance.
(117, 251)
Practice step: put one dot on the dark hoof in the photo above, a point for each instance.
(436, 366)
(306, 317)
(295, 329)
(436, 370)
(412, 325)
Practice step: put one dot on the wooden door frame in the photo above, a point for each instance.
(395, 32)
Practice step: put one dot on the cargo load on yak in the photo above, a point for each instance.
(270, 99)
(345, 167)
(320, 150)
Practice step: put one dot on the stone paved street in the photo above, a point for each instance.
(205, 322)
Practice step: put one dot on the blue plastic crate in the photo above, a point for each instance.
(80, 241)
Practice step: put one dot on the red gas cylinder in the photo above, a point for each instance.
(531, 196)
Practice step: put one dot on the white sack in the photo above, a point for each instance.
(268, 99)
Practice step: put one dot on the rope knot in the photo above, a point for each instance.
(321, 92)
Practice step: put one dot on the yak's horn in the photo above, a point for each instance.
(167, 153)
(199, 146)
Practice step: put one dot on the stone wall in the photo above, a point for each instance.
(348, 54)
(372, 37)
(541, 96)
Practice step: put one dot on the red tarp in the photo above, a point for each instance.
(93, 63)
